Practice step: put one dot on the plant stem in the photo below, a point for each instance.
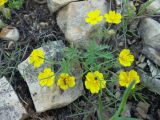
(124, 100)
(100, 109)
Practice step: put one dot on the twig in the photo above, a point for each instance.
(40, 1)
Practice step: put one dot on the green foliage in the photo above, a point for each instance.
(2, 24)
(6, 12)
(96, 56)
(12, 4)
(15, 4)
(100, 33)
(70, 59)
(137, 95)
(123, 102)
(93, 58)
(142, 10)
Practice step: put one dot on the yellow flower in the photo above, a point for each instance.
(66, 81)
(46, 78)
(113, 17)
(126, 58)
(95, 82)
(94, 17)
(125, 78)
(37, 58)
(2, 2)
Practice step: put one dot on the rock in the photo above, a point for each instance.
(142, 65)
(134, 24)
(118, 94)
(141, 113)
(142, 109)
(118, 3)
(127, 110)
(43, 24)
(158, 113)
(154, 7)
(150, 33)
(40, 1)
(55, 5)
(43, 97)
(71, 20)
(10, 106)
(152, 82)
(121, 44)
(9, 33)
(141, 58)
(144, 106)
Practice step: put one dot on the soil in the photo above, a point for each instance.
(37, 26)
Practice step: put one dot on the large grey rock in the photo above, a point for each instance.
(10, 106)
(153, 81)
(43, 97)
(154, 7)
(150, 33)
(71, 20)
(55, 5)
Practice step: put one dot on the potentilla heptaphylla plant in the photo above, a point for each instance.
(66, 81)
(46, 77)
(5, 11)
(126, 58)
(125, 78)
(113, 17)
(7, 5)
(95, 81)
(95, 61)
(94, 17)
(37, 58)
(2, 2)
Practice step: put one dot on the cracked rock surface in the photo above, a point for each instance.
(10, 106)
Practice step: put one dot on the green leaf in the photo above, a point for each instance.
(106, 55)
(2, 24)
(15, 4)
(6, 12)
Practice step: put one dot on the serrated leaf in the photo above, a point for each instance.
(106, 55)
(2, 24)
(6, 12)
(15, 4)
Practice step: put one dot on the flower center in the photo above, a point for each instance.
(96, 78)
(65, 80)
(94, 18)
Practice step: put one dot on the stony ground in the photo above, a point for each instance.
(36, 26)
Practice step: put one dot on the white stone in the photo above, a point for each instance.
(71, 20)
(118, 3)
(127, 110)
(55, 5)
(154, 7)
(152, 82)
(9, 33)
(150, 33)
(45, 98)
(10, 106)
